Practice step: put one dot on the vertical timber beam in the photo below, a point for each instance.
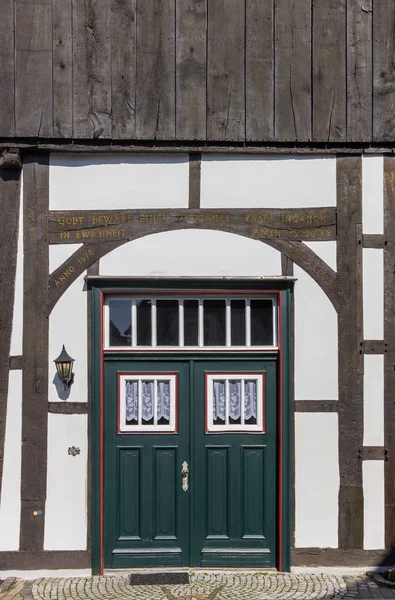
(9, 203)
(350, 320)
(389, 355)
(35, 351)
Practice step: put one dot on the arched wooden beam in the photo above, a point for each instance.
(89, 253)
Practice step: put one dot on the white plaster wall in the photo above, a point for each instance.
(373, 400)
(68, 325)
(316, 480)
(10, 499)
(316, 341)
(373, 294)
(116, 181)
(373, 492)
(372, 194)
(326, 251)
(66, 505)
(192, 253)
(17, 321)
(272, 182)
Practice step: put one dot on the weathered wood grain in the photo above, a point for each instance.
(337, 557)
(293, 70)
(35, 350)
(384, 71)
(155, 95)
(350, 354)
(373, 453)
(389, 356)
(329, 70)
(91, 69)
(225, 70)
(259, 109)
(373, 240)
(68, 408)
(195, 172)
(191, 64)
(316, 406)
(57, 559)
(123, 69)
(7, 69)
(33, 68)
(16, 362)
(62, 19)
(359, 70)
(374, 347)
(287, 266)
(9, 202)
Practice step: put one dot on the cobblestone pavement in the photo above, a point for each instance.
(212, 585)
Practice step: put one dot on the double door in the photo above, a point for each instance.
(190, 473)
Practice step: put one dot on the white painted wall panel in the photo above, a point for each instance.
(373, 492)
(316, 343)
(372, 194)
(116, 181)
(326, 251)
(373, 294)
(68, 326)
(373, 402)
(10, 502)
(66, 505)
(192, 253)
(272, 182)
(316, 480)
(17, 320)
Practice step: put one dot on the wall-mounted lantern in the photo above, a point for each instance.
(64, 366)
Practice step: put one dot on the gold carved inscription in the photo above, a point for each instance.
(202, 218)
(68, 272)
(302, 218)
(266, 232)
(100, 234)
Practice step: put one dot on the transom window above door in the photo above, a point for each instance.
(212, 322)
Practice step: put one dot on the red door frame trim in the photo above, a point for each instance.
(280, 411)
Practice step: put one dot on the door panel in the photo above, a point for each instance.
(234, 478)
(146, 515)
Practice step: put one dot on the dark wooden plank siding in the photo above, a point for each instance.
(259, 70)
(329, 70)
(7, 69)
(91, 69)
(191, 57)
(359, 70)
(123, 69)
(384, 70)
(155, 101)
(225, 70)
(62, 11)
(292, 77)
(35, 350)
(33, 70)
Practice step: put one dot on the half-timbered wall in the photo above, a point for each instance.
(343, 320)
(201, 70)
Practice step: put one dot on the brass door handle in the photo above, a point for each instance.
(185, 473)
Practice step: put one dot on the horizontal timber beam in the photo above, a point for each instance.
(316, 406)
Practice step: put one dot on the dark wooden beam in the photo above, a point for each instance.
(32, 560)
(195, 168)
(16, 362)
(337, 557)
(372, 240)
(374, 347)
(389, 355)
(316, 406)
(35, 351)
(9, 205)
(350, 361)
(374, 453)
(68, 408)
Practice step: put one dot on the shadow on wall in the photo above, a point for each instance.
(63, 394)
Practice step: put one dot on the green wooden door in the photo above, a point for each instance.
(224, 513)
(234, 477)
(146, 511)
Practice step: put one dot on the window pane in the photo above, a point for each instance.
(261, 323)
(120, 322)
(191, 322)
(163, 400)
(234, 401)
(167, 323)
(132, 402)
(238, 322)
(250, 402)
(214, 322)
(219, 402)
(144, 323)
(147, 404)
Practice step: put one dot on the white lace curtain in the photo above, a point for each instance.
(234, 403)
(147, 399)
